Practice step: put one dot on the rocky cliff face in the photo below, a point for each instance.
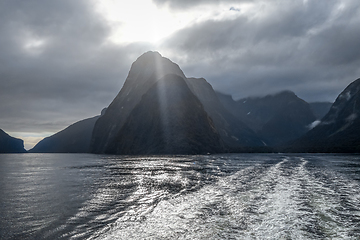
(73, 139)
(169, 119)
(277, 118)
(10, 144)
(339, 130)
(144, 72)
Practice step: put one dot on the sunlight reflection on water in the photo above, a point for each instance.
(235, 196)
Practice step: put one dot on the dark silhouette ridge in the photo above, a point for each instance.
(10, 144)
(73, 139)
(169, 119)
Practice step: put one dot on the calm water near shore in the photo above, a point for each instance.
(231, 196)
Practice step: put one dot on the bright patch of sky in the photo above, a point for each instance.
(143, 21)
(30, 139)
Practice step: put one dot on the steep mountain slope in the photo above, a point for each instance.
(233, 131)
(339, 130)
(275, 118)
(73, 139)
(228, 102)
(147, 70)
(169, 119)
(144, 72)
(320, 109)
(289, 123)
(10, 144)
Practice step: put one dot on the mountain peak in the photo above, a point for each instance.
(144, 72)
(149, 54)
(285, 93)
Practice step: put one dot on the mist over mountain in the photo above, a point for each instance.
(276, 118)
(169, 119)
(339, 130)
(9, 144)
(73, 139)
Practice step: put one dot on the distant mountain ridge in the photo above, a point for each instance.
(339, 130)
(9, 144)
(233, 131)
(73, 139)
(276, 118)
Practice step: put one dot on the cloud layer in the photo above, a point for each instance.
(56, 65)
(309, 47)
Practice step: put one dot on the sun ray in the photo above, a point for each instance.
(162, 101)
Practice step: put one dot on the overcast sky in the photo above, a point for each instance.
(62, 61)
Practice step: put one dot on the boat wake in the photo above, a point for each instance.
(286, 199)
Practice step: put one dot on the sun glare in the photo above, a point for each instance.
(143, 21)
(138, 21)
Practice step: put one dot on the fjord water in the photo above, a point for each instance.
(233, 196)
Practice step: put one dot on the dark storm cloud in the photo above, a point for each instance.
(308, 47)
(55, 65)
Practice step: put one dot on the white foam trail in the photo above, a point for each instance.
(284, 201)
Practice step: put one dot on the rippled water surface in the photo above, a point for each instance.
(235, 196)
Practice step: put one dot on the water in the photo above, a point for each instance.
(235, 196)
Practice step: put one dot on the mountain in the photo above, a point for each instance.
(169, 119)
(276, 118)
(234, 132)
(228, 102)
(73, 139)
(320, 109)
(10, 144)
(339, 130)
(144, 73)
